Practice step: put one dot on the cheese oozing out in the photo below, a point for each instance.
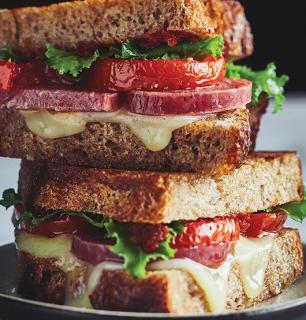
(251, 255)
(154, 131)
(213, 282)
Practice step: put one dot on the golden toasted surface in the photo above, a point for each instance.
(172, 291)
(265, 180)
(95, 23)
(214, 145)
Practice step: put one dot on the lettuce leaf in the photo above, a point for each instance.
(295, 210)
(10, 198)
(135, 259)
(197, 50)
(264, 81)
(67, 62)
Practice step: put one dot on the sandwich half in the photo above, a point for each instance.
(158, 242)
(137, 85)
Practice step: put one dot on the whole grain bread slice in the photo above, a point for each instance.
(96, 23)
(265, 180)
(214, 145)
(172, 291)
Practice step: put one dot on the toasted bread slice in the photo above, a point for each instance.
(214, 145)
(173, 291)
(96, 23)
(265, 180)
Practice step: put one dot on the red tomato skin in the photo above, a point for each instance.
(258, 224)
(117, 75)
(34, 74)
(148, 236)
(208, 232)
(62, 225)
(9, 71)
(55, 226)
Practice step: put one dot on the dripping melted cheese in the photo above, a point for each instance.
(154, 131)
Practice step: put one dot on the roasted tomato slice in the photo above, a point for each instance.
(9, 71)
(158, 75)
(62, 225)
(57, 225)
(257, 224)
(207, 232)
(148, 236)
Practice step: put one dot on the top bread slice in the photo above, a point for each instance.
(96, 23)
(264, 181)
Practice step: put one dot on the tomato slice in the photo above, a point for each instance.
(147, 236)
(207, 232)
(55, 226)
(257, 224)
(62, 225)
(9, 71)
(155, 75)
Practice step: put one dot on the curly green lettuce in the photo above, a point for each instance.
(65, 62)
(264, 81)
(135, 259)
(197, 50)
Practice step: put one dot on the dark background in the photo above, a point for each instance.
(279, 28)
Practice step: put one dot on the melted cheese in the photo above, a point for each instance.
(58, 248)
(154, 131)
(212, 281)
(252, 255)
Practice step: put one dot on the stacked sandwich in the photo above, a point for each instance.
(138, 190)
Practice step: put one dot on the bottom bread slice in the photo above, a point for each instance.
(170, 291)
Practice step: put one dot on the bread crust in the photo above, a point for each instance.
(256, 112)
(96, 23)
(215, 145)
(173, 291)
(265, 180)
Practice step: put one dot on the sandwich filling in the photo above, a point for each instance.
(205, 248)
(141, 84)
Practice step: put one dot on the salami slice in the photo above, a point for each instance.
(226, 95)
(60, 100)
